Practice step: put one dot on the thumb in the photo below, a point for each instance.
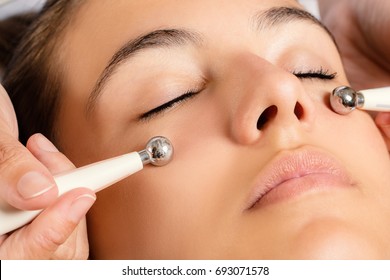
(7, 113)
(25, 183)
(382, 120)
(52, 228)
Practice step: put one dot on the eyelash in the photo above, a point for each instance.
(170, 104)
(321, 74)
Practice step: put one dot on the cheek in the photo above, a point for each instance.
(361, 146)
(189, 207)
(166, 211)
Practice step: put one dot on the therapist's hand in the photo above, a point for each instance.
(362, 32)
(26, 182)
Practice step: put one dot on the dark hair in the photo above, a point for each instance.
(11, 31)
(33, 75)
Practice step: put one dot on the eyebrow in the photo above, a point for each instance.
(282, 15)
(156, 39)
(167, 38)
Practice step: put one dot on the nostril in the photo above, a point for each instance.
(298, 111)
(267, 115)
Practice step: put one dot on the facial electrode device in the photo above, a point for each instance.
(95, 176)
(345, 99)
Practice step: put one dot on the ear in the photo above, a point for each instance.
(382, 120)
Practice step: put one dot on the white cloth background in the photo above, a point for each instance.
(11, 7)
(312, 6)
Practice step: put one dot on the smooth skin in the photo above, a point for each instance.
(362, 31)
(60, 231)
(196, 207)
(51, 237)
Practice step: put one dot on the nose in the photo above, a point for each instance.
(267, 98)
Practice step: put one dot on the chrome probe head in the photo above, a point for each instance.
(344, 100)
(158, 151)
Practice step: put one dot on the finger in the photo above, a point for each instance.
(48, 154)
(382, 120)
(51, 229)
(25, 183)
(7, 113)
(76, 246)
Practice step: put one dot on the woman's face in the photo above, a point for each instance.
(263, 168)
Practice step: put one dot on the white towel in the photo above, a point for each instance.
(311, 6)
(12, 7)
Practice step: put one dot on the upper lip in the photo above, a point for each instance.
(294, 164)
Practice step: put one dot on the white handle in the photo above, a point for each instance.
(377, 99)
(96, 177)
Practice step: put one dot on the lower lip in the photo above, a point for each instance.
(296, 187)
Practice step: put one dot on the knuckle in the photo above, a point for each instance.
(82, 254)
(11, 154)
(50, 239)
(71, 252)
(81, 251)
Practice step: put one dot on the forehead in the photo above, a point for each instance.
(135, 17)
(101, 27)
(127, 19)
(151, 14)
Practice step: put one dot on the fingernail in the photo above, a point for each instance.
(44, 144)
(33, 184)
(80, 207)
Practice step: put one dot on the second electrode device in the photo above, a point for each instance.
(345, 99)
(159, 151)
(96, 176)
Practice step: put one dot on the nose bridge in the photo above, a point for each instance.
(265, 94)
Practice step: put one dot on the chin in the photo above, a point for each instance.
(332, 239)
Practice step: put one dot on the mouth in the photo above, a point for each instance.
(293, 173)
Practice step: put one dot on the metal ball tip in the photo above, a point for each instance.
(159, 150)
(343, 100)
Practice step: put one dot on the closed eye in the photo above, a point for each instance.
(322, 74)
(168, 105)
